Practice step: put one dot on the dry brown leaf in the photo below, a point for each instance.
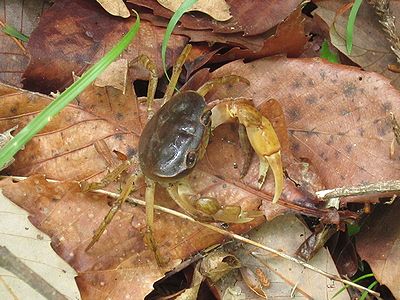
(255, 17)
(115, 75)
(66, 149)
(32, 247)
(217, 9)
(120, 264)
(378, 243)
(371, 50)
(285, 233)
(252, 282)
(115, 7)
(254, 43)
(337, 116)
(24, 16)
(73, 34)
(289, 39)
(217, 264)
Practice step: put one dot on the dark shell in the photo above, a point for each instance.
(174, 131)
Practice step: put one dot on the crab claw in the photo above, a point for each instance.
(208, 209)
(260, 133)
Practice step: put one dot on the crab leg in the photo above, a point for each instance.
(176, 72)
(207, 209)
(228, 79)
(261, 135)
(153, 80)
(149, 237)
(127, 189)
(110, 177)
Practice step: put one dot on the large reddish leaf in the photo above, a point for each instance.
(120, 265)
(68, 149)
(73, 34)
(379, 244)
(337, 116)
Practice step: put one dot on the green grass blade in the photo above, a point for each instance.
(355, 281)
(41, 120)
(326, 53)
(170, 27)
(12, 31)
(365, 293)
(350, 25)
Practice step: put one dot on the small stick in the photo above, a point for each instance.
(392, 186)
(396, 127)
(12, 263)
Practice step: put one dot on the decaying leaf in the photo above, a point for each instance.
(70, 216)
(192, 292)
(217, 9)
(32, 248)
(115, 7)
(378, 243)
(285, 233)
(64, 210)
(85, 32)
(252, 282)
(115, 75)
(336, 115)
(254, 18)
(217, 264)
(24, 16)
(371, 50)
(289, 39)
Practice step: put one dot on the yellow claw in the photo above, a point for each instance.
(261, 134)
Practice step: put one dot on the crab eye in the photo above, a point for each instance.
(191, 159)
(206, 117)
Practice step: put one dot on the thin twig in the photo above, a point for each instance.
(392, 186)
(12, 263)
(235, 236)
(396, 127)
(387, 19)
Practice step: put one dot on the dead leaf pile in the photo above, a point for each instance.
(333, 121)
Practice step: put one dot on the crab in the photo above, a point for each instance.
(175, 138)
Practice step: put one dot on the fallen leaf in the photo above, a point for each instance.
(217, 264)
(115, 75)
(73, 34)
(344, 254)
(254, 18)
(32, 247)
(289, 39)
(252, 282)
(254, 43)
(336, 116)
(115, 7)
(285, 233)
(378, 243)
(120, 265)
(217, 9)
(66, 150)
(371, 50)
(24, 16)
